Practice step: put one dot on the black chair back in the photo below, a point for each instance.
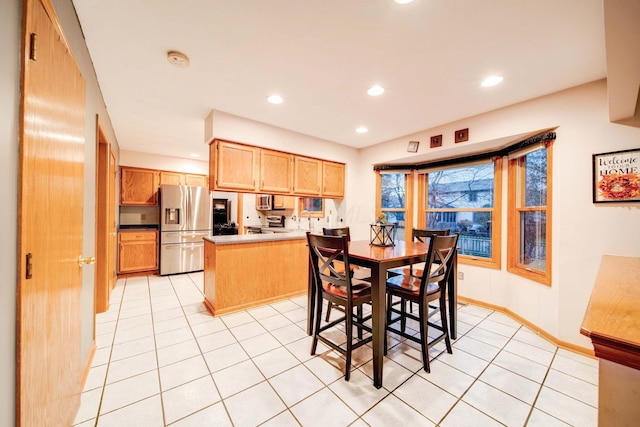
(340, 231)
(324, 250)
(420, 235)
(439, 261)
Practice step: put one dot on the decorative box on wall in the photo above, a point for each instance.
(382, 234)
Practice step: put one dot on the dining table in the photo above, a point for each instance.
(379, 259)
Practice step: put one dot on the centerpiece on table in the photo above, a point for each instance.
(382, 232)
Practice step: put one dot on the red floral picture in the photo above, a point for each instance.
(616, 176)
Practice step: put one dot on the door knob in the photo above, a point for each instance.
(89, 260)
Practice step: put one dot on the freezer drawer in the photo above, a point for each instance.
(181, 258)
(167, 237)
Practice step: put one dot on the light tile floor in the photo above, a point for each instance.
(162, 360)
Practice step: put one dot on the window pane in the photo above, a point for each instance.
(474, 229)
(393, 190)
(533, 238)
(312, 204)
(535, 184)
(467, 187)
(396, 218)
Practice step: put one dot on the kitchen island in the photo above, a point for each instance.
(253, 269)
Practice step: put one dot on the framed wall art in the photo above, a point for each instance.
(616, 176)
(413, 146)
(436, 141)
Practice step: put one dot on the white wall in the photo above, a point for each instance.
(582, 231)
(10, 15)
(238, 129)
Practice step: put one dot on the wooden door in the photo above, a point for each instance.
(102, 288)
(111, 218)
(105, 221)
(49, 365)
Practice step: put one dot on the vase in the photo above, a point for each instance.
(382, 234)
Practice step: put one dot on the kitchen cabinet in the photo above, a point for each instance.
(198, 180)
(283, 202)
(138, 187)
(275, 171)
(250, 169)
(172, 178)
(332, 180)
(307, 176)
(233, 166)
(137, 251)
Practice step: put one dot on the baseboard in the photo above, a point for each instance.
(544, 334)
(87, 364)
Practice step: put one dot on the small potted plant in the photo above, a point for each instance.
(382, 232)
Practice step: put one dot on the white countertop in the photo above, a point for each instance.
(253, 238)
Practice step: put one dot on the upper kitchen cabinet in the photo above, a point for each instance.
(198, 180)
(332, 180)
(307, 176)
(138, 187)
(178, 178)
(250, 169)
(173, 178)
(233, 166)
(275, 171)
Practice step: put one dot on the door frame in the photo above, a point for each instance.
(104, 251)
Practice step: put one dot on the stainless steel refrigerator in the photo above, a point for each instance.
(185, 219)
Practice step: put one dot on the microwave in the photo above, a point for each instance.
(264, 202)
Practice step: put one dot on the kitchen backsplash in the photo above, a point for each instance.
(139, 215)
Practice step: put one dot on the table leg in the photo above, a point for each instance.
(378, 316)
(452, 294)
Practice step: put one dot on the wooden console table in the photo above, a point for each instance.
(612, 321)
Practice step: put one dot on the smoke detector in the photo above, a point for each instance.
(178, 59)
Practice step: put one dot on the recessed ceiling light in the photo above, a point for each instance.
(403, 1)
(178, 59)
(375, 90)
(362, 129)
(275, 99)
(194, 155)
(491, 81)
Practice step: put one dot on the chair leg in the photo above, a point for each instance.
(316, 326)
(424, 332)
(359, 317)
(444, 321)
(403, 315)
(328, 311)
(349, 331)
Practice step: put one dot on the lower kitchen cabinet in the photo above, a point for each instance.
(137, 251)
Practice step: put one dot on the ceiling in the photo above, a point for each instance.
(321, 57)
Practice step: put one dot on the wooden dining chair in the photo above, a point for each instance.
(344, 231)
(340, 289)
(431, 286)
(417, 235)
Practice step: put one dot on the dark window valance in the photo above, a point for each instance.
(542, 137)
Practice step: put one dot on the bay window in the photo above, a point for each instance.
(529, 213)
(466, 199)
(395, 196)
